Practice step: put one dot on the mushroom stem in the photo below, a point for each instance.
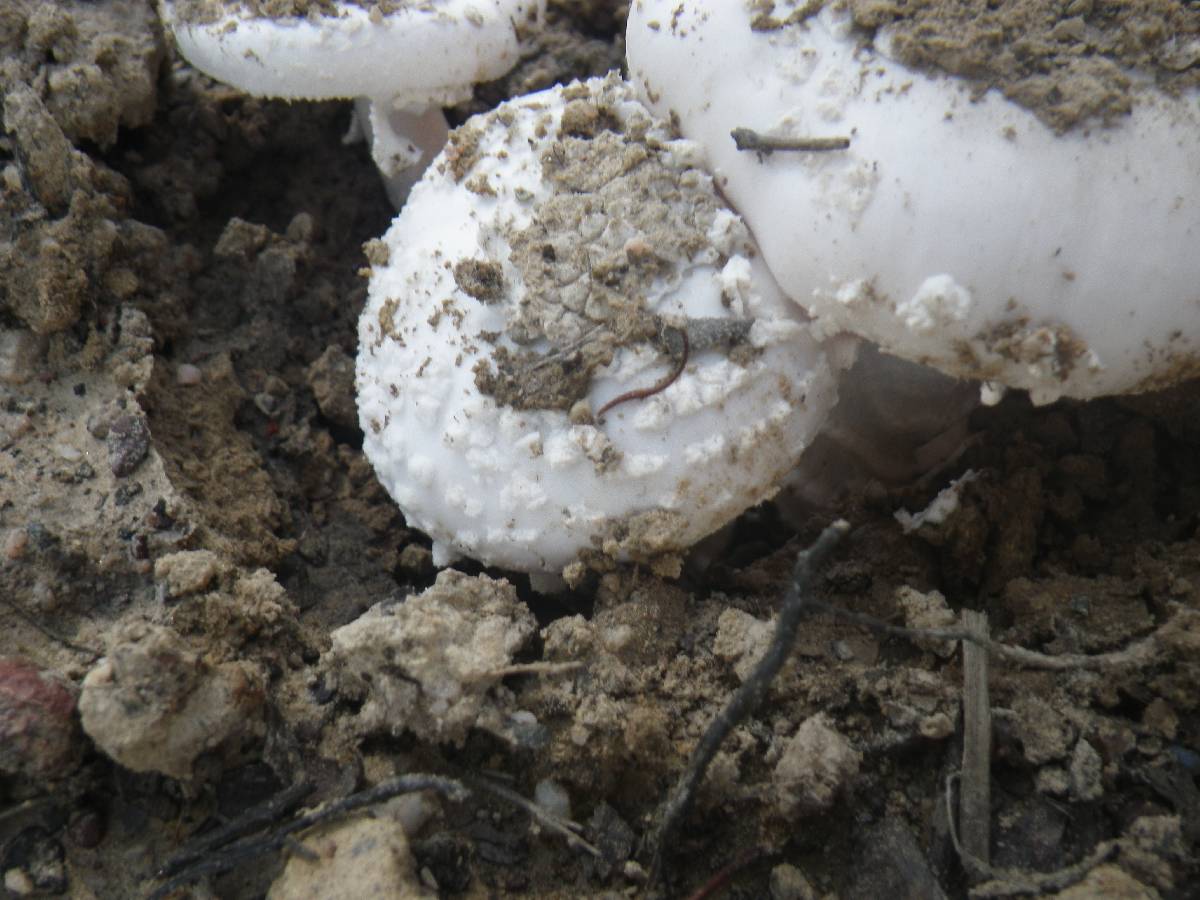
(402, 141)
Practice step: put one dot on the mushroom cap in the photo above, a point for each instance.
(418, 55)
(550, 260)
(957, 230)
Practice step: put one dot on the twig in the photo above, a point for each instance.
(975, 796)
(766, 144)
(747, 697)
(224, 859)
(1014, 882)
(25, 806)
(296, 848)
(547, 669)
(564, 827)
(1140, 653)
(252, 820)
(658, 387)
(562, 353)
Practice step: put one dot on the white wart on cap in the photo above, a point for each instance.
(564, 251)
(993, 240)
(404, 59)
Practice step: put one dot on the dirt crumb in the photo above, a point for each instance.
(427, 665)
(154, 705)
(94, 65)
(331, 378)
(480, 279)
(816, 764)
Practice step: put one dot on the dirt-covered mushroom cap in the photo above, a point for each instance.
(1050, 248)
(404, 58)
(562, 253)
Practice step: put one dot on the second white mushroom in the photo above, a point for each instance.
(571, 345)
(402, 65)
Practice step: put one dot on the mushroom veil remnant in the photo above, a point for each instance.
(571, 345)
(402, 61)
(958, 226)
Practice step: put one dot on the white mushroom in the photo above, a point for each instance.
(562, 253)
(956, 228)
(402, 61)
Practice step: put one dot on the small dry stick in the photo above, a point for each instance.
(224, 859)
(975, 795)
(563, 352)
(661, 385)
(747, 698)
(271, 809)
(766, 144)
(544, 669)
(24, 806)
(1142, 652)
(564, 827)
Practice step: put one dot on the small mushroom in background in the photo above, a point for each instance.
(400, 65)
(571, 344)
(938, 218)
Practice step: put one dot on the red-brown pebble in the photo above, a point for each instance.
(15, 543)
(39, 735)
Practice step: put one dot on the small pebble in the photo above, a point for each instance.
(553, 798)
(15, 543)
(413, 811)
(266, 403)
(128, 442)
(303, 227)
(20, 352)
(18, 882)
(13, 426)
(634, 872)
(427, 877)
(415, 558)
(126, 492)
(331, 379)
(12, 178)
(86, 829)
(581, 413)
(788, 883)
(42, 596)
(189, 374)
(842, 650)
(97, 426)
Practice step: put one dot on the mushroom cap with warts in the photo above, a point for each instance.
(958, 229)
(553, 258)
